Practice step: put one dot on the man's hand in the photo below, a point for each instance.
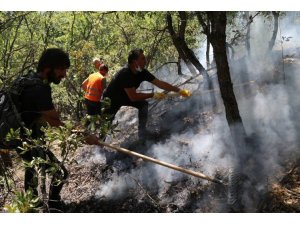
(159, 95)
(185, 93)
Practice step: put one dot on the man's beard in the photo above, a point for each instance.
(52, 77)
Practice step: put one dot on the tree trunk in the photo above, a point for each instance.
(237, 187)
(187, 51)
(207, 50)
(217, 38)
(187, 54)
(177, 43)
(179, 66)
(275, 30)
(247, 40)
(207, 54)
(230, 53)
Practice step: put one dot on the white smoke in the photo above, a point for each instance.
(268, 116)
(116, 187)
(91, 155)
(207, 151)
(269, 113)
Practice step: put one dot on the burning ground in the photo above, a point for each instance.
(193, 134)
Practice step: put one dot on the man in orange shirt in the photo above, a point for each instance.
(93, 87)
(97, 62)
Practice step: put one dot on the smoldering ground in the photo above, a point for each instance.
(197, 135)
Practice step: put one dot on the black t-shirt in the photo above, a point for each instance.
(35, 99)
(125, 79)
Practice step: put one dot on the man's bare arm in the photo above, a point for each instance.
(52, 117)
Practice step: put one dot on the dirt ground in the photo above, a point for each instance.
(125, 184)
(81, 191)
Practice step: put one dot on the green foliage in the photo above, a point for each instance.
(7, 181)
(109, 35)
(101, 124)
(61, 138)
(13, 135)
(23, 202)
(64, 139)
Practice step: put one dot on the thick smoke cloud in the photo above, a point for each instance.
(269, 107)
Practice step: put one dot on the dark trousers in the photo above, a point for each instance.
(93, 108)
(31, 179)
(142, 107)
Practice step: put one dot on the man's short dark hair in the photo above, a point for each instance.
(104, 67)
(53, 58)
(134, 54)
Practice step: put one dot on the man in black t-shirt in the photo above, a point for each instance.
(122, 88)
(37, 109)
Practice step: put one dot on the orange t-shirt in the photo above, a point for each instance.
(94, 87)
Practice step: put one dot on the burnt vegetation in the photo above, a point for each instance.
(258, 161)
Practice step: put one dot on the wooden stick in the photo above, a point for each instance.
(171, 166)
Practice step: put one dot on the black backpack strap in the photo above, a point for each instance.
(10, 116)
(22, 82)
